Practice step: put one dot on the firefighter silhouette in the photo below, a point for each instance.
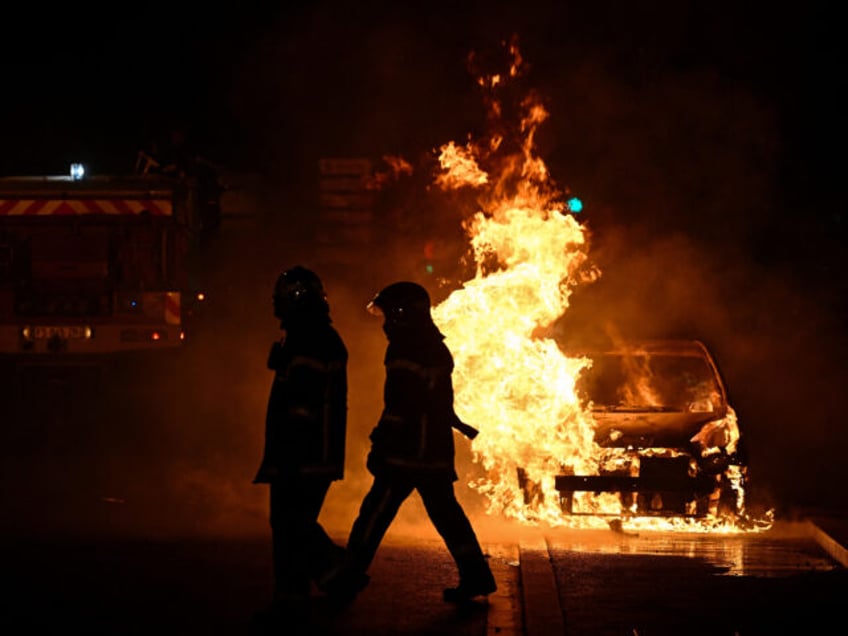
(304, 434)
(412, 448)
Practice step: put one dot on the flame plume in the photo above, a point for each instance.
(511, 381)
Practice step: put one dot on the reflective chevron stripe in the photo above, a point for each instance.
(172, 308)
(56, 207)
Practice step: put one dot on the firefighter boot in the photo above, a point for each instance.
(474, 580)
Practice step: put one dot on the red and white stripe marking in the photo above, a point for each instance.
(172, 308)
(54, 207)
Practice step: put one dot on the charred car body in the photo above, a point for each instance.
(669, 443)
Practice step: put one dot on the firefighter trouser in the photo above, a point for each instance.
(382, 503)
(302, 550)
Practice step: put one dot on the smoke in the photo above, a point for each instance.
(678, 164)
(680, 170)
(776, 340)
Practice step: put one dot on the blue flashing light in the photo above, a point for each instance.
(574, 205)
(77, 171)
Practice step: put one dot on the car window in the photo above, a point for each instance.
(649, 382)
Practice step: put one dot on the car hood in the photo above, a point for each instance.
(646, 429)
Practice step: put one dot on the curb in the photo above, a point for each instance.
(504, 616)
(541, 611)
(828, 543)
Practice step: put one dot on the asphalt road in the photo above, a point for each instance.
(780, 581)
(569, 582)
(120, 587)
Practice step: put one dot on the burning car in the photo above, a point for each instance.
(669, 442)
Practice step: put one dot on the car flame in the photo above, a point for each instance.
(512, 381)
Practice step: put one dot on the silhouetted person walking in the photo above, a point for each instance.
(412, 447)
(304, 435)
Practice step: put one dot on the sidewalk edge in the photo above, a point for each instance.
(828, 543)
(542, 614)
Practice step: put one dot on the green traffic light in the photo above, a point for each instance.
(574, 205)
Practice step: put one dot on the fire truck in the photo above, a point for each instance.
(98, 265)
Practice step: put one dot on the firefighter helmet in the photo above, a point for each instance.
(299, 292)
(402, 303)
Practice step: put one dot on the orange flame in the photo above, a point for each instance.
(511, 381)
(396, 167)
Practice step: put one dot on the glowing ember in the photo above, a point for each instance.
(512, 381)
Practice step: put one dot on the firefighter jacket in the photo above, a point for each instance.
(306, 418)
(414, 436)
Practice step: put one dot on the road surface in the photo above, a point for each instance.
(551, 582)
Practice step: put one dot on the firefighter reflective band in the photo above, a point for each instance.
(49, 207)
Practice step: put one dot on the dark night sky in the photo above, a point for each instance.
(265, 89)
(89, 80)
(720, 120)
(706, 129)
